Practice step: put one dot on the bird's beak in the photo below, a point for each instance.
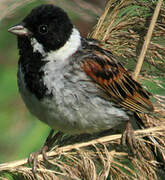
(19, 30)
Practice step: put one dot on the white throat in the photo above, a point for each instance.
(69, 48)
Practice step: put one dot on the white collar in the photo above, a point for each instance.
(69, 48)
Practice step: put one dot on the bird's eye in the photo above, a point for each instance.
(43, 29)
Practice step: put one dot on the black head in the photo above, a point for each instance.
(49, 24)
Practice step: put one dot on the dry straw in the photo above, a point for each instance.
(147, 39)
(122, 29)
(82, 160)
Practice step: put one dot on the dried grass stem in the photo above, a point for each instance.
(65, 149)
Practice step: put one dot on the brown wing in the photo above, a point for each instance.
(114, 79)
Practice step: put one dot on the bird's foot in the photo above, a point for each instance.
(128, 139)
(33, 158)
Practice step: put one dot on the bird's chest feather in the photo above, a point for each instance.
(70, 101)
(53, 92)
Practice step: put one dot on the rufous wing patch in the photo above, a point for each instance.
(116, 82)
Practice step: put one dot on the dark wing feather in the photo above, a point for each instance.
(115, 80)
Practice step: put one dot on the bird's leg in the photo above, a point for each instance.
(33, 158)
(128, 138)
(50, 141)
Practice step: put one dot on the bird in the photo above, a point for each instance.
(72, 83)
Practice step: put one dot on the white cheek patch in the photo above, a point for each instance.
(69, 48)
(37, 47)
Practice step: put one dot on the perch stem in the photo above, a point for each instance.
(14, 164)
(147, 40)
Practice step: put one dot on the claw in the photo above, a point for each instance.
(128, 139)
(44, 151)
(33, 158)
